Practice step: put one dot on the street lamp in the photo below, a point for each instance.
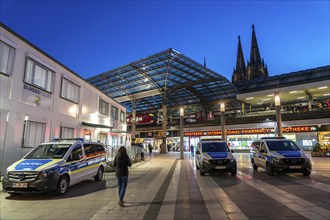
(26, 118)
(181, 133)
(278, 114)
(223, 129)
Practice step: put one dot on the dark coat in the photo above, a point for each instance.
(121, 164)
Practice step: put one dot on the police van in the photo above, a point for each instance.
(279, 155)
(214, 156)
(55, 166)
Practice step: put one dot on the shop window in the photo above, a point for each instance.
(34, 133)
(67, 132)
(122, 116)
(114, 113)
(104, 107)
(38, 75)
(70, 90)
(6, 58)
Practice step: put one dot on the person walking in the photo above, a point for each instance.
(121, 164)
(192, 150)
(150, 149)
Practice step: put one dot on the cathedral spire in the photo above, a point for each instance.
(254, 55)
(240, 73)
(256, 67)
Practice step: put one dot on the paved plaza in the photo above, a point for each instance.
(165, 187)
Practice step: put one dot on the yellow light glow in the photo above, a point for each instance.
(293, 92)
(323, 87)
(181, 112)
(249, 98)
(277, 100)
(222, 107)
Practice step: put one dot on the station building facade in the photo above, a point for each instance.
(42, 99)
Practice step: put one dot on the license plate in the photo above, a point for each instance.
(220, 167)
(20, 185)
(295, 167)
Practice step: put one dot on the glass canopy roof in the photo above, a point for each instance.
(167, 77)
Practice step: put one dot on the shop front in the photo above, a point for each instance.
(241, 139)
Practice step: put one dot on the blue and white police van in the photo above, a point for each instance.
(214, 156)
(280, 155)
(55, 166)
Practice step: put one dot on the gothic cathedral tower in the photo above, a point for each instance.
(256, 68)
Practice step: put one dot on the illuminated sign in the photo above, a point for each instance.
(251, 131)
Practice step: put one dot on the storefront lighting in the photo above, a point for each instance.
(293, 92)
(326, 94)
(301, 97)
(270, 95)
(323, 87)
(267, 99)
(249, 98)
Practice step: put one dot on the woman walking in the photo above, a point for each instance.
(121, 164)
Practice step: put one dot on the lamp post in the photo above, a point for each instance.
(223, 129)
(181, 133)
(278, 115)
(26, 118)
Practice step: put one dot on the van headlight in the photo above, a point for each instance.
(46, 173)
(276, 160)
(206, 161)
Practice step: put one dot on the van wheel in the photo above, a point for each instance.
(254, 166)
(269, 170)
(306, 172)
(62, 185)
(233, 172)
(99, 175)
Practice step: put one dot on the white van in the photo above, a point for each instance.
(55, 166)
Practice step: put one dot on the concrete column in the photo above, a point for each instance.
(223, 122)
(164, 128)
(133, 123)
(278, 115)
(181, 133)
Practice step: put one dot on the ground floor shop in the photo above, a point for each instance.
(240, 139)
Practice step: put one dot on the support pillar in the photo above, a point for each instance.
(133, 122)
(223, 122)
(181, 133)
(163, 149)
(278, 115)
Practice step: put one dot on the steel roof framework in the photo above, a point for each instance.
(168, 78)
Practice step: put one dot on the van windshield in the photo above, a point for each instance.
(215, 147)
(48, 151)
(282, 145)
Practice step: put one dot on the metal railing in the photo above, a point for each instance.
(134, 153)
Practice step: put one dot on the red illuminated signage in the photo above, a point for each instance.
(251, 131)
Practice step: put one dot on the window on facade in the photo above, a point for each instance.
(122, 115)
(114, 113)
(67, 132)
(6, 58)
(104, 107)
(70, 91)
(34, 133)
(38, 75)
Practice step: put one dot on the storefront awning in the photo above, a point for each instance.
(96, 125)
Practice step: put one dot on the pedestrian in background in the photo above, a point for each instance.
(192, 150)
(121, 164)
(150, 149)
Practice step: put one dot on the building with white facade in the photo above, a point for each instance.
(42, 99)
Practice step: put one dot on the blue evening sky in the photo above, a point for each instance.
(92, 37)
